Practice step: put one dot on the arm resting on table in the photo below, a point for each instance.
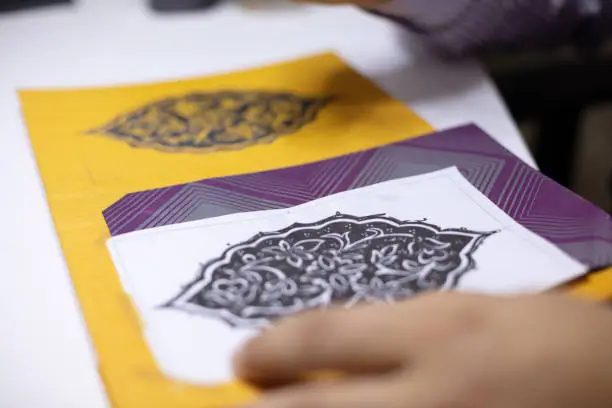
(459, 27)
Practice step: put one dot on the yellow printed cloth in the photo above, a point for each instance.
(93, 146)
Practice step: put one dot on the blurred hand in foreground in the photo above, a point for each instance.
(439, 351)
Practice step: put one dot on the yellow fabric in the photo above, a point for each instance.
(596, 286)
(85, 172)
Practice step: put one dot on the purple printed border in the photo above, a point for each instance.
(535, 201)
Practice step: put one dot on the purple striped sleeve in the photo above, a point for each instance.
(465, 26)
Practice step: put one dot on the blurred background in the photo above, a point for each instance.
(561, 99)
(591, 176)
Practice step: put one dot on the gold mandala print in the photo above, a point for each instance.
(212, 121)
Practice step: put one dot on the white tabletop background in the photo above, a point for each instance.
(45, 355)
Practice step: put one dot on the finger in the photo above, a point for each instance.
(337, 340)
(381, 392)
(373, 338)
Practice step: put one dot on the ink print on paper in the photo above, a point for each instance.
(341, 260)
(205, 122)
(203, 288)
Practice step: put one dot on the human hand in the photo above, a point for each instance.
(439, 351)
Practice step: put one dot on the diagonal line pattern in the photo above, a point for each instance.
(195, 195)
(131, 212)
(581, 230)
(296, 190)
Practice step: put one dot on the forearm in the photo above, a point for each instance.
(467, 26)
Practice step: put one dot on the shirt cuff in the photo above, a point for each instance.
(424, 13)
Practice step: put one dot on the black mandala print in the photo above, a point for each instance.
(211, 121)
(339, 260)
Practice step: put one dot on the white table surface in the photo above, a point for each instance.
(45, 355)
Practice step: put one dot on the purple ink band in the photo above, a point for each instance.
(573, 224)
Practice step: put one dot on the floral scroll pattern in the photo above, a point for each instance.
(204, 122)
(342, 259)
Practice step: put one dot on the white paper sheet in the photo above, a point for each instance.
(203, 288)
